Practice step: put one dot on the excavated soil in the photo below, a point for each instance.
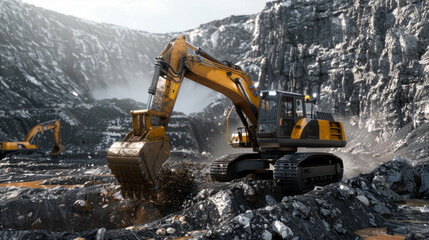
(68, 197)
(174, 186)
(48, 198)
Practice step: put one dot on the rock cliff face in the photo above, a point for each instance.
(365, 59)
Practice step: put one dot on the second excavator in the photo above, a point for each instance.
(275, 124)
(29, 147)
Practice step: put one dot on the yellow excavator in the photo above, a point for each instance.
(275, 124)
(28, 147)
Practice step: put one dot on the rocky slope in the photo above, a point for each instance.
(85, 197)
(365, 59)
(49, 58)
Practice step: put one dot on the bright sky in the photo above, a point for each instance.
(156, 16)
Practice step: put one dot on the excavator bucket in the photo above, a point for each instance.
(136, 161)
(136, 164)
(58, 148)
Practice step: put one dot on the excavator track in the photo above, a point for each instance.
(295, 172)
(300, 172)
(224, 170)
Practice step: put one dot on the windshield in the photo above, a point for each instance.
(268, 114)
(299, 108)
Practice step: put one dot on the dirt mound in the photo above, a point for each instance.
(244, 208)
(174, 186)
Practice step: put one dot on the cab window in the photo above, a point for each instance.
(286, 118)
(299, 108)
(309, 109)
(286, 109)
(269, 110)
(268, 114)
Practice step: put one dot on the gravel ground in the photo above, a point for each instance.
(58, 198)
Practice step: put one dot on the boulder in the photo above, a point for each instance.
(399, 176)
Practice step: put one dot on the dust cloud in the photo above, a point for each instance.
(192, 96)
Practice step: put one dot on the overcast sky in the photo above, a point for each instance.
(156, 16)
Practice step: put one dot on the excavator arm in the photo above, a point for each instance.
(27, 145)
(174, 64)
(136, 161)
(53, 125)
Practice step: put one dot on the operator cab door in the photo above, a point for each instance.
(291, 111)
(278, 114)
(268, 114)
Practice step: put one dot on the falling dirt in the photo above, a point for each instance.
(174, 186)
(378, 234)
(147, 214)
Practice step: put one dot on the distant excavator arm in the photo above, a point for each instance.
(46, 126)
(27, 143)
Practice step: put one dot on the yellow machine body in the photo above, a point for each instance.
(137, 159)
(328, 130)
(12, 146)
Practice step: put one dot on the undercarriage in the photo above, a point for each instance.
(297, 172)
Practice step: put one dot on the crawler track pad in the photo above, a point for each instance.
(136, 164)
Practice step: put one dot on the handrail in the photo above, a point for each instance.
(227, 125)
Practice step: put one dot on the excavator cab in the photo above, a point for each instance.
(279, 112)
(288, 120)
